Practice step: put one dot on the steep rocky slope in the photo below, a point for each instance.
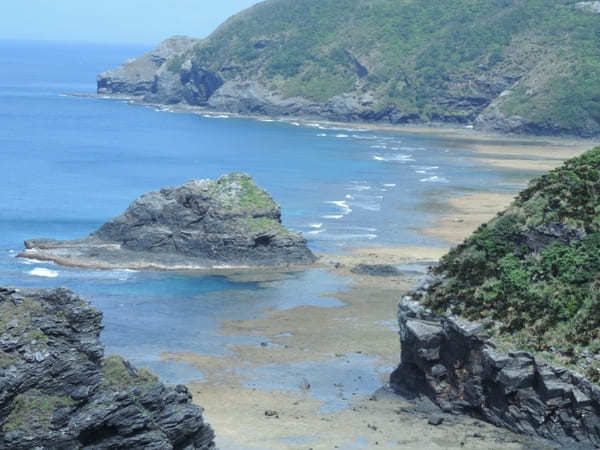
(527, 281)
(202, 224)
(507, 65)
(58, 391)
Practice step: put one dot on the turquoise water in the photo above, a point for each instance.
(69, 164)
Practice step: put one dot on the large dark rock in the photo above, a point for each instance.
(57, 391)
(202, 224)
(451, 361)
(165, 75)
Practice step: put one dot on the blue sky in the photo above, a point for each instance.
(125, 21)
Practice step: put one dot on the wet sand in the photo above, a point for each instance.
(467, 214)
(315, 381)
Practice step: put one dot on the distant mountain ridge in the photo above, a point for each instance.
(504, 65)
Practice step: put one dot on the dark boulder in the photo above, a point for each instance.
(58, 391)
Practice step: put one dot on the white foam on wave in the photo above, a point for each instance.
(315, 232)
(12, 252)
(434, 179)
(41, 272)
(341, 204)
(380, 146)
(368, 206)
(296, 124)
(390, 185)
(30, 262)
(393, 158)
(316, 225)
(350, 237)
(341, 135)
(322, 135)
(349, 197)
(364, 137)
(360, 188)
(333, 217)
(363, 229)
(267, 120)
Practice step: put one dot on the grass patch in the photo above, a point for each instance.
(118, 376)
(33, 411)
(263, 225)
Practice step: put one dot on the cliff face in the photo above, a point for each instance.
(527, 281)
(388, 61)
(455, 363)
(58, 391)
(203, 223)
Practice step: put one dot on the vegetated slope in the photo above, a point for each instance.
(525, 66)
(536, 267)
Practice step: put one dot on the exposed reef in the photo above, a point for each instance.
(230, 222)
(58, 391)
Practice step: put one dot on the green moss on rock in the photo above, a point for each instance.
(263, 225)
(6, 360)
(33, 410)
(118, 375)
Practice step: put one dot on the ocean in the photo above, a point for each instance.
(69, 164)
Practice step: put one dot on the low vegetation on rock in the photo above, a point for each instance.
(533, 272)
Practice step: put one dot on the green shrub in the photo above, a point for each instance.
(552, 295)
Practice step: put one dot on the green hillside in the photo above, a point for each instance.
(536, 266)
(429, 60)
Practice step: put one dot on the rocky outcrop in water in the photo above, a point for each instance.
(454, 363)
(202, 224)
(58, 391)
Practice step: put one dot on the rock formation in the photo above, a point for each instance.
(202, 224)
(58, 391)
(454, 363)
(526, 280)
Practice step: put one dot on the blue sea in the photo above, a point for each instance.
(69, 164)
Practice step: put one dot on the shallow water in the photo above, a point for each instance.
(69, 164)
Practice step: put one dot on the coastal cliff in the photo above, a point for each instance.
(506, 325)
(380, 61)
(230, 222)
(57, 390)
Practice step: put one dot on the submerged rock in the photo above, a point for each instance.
(58, 391)
(202, 224)
(376, 270)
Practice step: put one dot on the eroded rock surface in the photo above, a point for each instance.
(452, 361)
(58, 391)
(202, 224)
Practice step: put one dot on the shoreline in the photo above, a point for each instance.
(440, 129)
(31, 254)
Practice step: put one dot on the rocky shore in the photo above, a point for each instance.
(57, 390)
(204, 224)
(454, 363)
